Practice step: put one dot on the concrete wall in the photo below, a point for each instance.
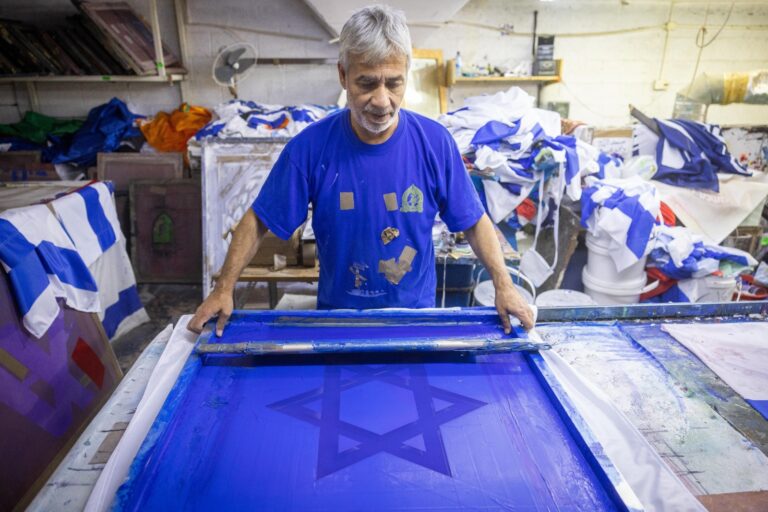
(602, 74)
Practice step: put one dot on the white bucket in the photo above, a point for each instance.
(607, 292)
(602, 267)
(485, 294)
(561, 298)
(719, 289)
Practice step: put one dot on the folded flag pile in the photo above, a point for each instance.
(246, 119)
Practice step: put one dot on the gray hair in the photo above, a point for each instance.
(375, 33)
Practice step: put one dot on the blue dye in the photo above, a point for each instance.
(428, 432)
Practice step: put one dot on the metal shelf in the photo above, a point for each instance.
(162, 76)
(539, 81)
(92, 78)
(452, 79)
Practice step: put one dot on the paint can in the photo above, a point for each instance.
(563, 298)
(485, 294)
(601, 265)
(615, 292)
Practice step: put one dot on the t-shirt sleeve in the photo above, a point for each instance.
(460, 207)
(282, 203)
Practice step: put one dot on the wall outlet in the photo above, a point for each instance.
(660, 85)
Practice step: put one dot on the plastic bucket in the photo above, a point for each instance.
(562, 298)
(602, 267)
(607, 292)
(719, 289)
(485, 294)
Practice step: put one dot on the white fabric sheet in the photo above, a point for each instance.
(160, 383)
(736, 351)
(716, 215)
(654, 484)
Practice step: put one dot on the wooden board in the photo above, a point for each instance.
(49, 388)
(166, 231)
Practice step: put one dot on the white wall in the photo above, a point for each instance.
(602, 74)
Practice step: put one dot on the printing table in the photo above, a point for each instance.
(436, 431)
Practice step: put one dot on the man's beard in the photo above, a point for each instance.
(375, 128)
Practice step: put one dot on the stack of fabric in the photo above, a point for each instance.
(73, 142)
(690, 270)
(514, 148)
(689, 154)
(623, 211)
(248, 119)
(170, 132)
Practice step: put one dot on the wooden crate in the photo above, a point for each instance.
(124, 168)
(166, 231)
(28, 172)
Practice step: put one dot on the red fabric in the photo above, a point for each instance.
(88, 361)
(667, 215)
(665, 283)
(526, 209)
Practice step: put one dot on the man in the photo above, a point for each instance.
(376, 176)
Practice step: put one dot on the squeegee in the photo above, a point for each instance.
(517, 341)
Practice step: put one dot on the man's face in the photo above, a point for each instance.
(374, 95)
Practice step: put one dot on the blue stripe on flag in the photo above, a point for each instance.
(67, 265)
(128, 302)
(97, 219)
(28, 281)
(28, 276)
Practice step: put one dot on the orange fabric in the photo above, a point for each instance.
(170, 132)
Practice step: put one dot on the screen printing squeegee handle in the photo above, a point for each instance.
(505, 344)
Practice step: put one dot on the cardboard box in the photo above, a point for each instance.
(272, 245)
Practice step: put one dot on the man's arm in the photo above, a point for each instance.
(482, 238)
(245, 243)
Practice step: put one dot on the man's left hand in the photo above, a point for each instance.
(510, 302)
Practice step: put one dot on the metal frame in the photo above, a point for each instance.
(609, 476)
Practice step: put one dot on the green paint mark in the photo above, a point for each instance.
(162, 230)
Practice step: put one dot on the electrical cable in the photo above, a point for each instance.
(666, 40)
(701, 34)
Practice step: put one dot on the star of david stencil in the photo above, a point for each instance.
(411, 431)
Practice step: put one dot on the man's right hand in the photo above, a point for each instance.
(217, 303)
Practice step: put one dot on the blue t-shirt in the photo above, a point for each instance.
(373, 207)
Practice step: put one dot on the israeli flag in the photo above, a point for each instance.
(89, 217)
(43, 265)
(625, 212)
(690, 154)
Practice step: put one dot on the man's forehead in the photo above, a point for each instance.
(391, 67)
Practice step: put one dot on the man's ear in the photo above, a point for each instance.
(342, 75)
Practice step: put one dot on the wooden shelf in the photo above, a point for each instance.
(171, 77)
(452, 79)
